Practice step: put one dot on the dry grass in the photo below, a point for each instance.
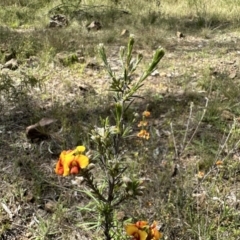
(203, 64)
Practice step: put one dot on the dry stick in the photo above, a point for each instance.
(187, 127)
(199, 232)
(174, 141)
(221, 147)
(199, 122)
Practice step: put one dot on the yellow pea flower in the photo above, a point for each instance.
(138, 230)
(219, 162)
(142, 124)
(155, 234)
(142, 231)
(146, 114)
(200, 174)
(143, 134)
(71, 161)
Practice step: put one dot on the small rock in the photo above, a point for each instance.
(95, 25)
(180, 34)
(155, 73)
(77, 181)
(169, 75)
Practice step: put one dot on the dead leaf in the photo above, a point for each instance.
(7, 210)
(155, 73)
(11, 64)
(125, 33)
(41, 130)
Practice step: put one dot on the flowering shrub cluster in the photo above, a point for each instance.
(115, 186)
(143, 124)
(141, 230)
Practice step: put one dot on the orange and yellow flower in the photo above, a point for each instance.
(142, 231)
(219, 162)
(138, 230)
(142, 124)
(71, 161)
(155, 234)
(146, 114)
(143, 134)
(200, 174)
